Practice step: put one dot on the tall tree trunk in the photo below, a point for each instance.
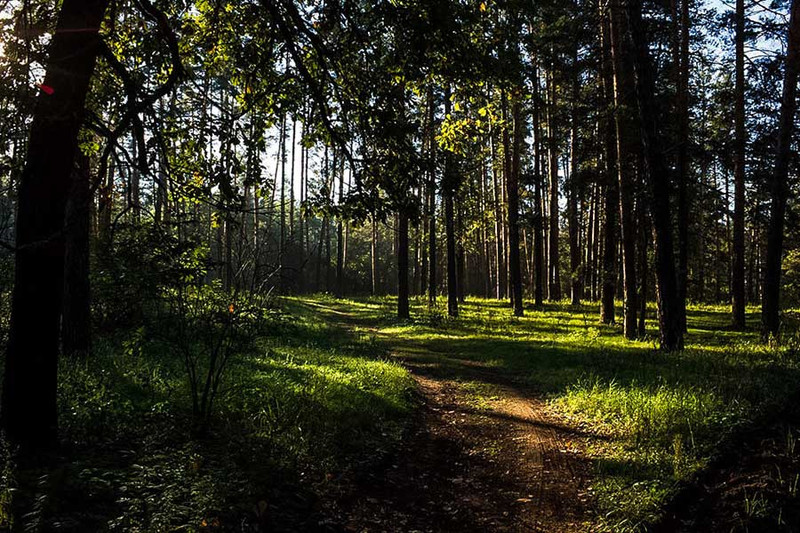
(554, 293)
(499, 240)
(461, 260)
(682, 112)
(282, 208)
(513, 208)
(626, 127)
(449, 188)
(737, 274)
(576, 274)
(374, 254)
(538, 220)
(340, 242)
(611, 198)
(29, 411)
(779, 188)
(588, 279)
(431, 202)
(656, 174)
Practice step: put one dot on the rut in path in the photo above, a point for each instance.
(508, 466)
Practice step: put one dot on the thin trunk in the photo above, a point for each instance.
(555, 277)
(611, 197)
(513, 207)
(340, 241)
(538, 222)
(374, 255)
(431, 202)
(402, 265)
(500, 276)
(449, 191)
(737, 274)
(576, 274)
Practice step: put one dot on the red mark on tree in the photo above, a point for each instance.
(46, 88)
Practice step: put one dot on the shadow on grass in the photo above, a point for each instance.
(668, 413)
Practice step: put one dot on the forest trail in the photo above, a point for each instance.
(484, 453)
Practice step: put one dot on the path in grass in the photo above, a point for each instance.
(484, 454)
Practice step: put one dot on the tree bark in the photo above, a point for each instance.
(554, 278)
(29, 411)
(402, 265)
(626, 164)
(682, 163)
(431, 204)
(656, 174)
(513, 209)
(538, 223)
(779, 188)
(499, 239)
(449, 191)
(576, 274)
(611, 198)
(737, 273)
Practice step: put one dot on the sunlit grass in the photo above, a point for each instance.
(664, 415)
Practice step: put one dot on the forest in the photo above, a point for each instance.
(399, 266)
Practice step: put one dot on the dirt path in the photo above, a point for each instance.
(496, 460)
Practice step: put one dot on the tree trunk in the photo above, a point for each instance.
(574, 192)
(513, 209)
(538, 222)
(500, 268)
(656, 174)
(29, 411)
(779, 188)
(611, 198)
(682, 163)
(374, 255)
(737, 273)
(626, 127)
(554, 278)
(644, 237)
(449, 191)
(340, 242)
(402, 265)
(431, 203)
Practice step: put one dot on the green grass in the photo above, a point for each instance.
(310, 403)
(663, 415)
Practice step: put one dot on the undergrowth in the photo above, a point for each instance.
(295, 413)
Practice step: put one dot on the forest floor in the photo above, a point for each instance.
(342, 418)
(555, 423)
(485, 452)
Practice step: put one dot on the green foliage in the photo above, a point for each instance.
(132, 270)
